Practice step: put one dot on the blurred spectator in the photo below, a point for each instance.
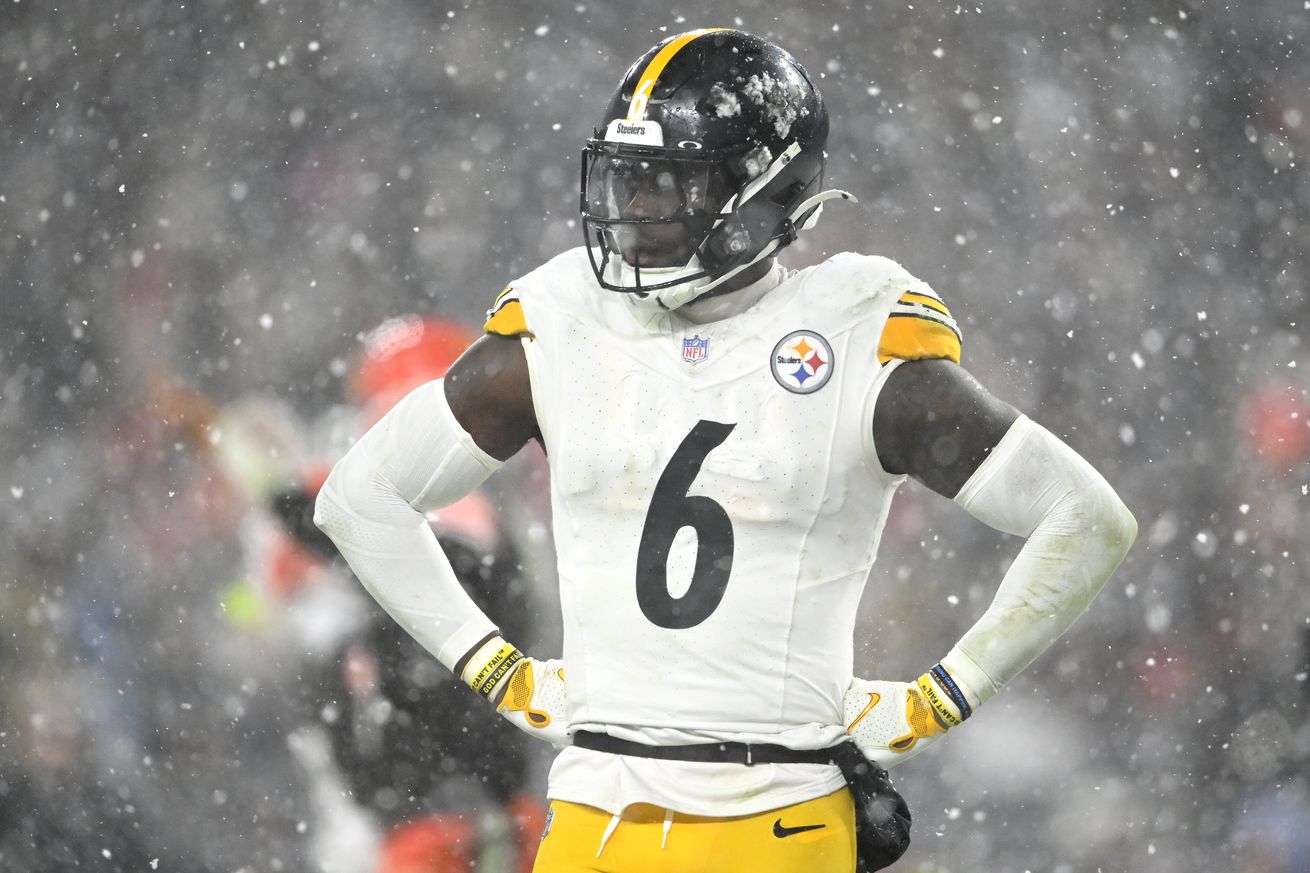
(447, 784)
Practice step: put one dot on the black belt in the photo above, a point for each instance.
(730, 753)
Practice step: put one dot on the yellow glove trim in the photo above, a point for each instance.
(519, 697)
(922, 720)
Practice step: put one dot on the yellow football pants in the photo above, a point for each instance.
(817, 836)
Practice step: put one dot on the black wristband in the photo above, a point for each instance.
(948, 684)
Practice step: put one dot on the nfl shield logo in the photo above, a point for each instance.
(695, 349)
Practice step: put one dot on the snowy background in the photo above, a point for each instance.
(204, 207)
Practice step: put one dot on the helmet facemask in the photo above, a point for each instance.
(646, 213)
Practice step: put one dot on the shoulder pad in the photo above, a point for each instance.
(859, 283)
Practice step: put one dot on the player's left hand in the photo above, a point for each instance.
(534, 701)
(892, 722)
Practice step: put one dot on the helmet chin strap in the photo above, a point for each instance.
(661, 299)
(666, 299)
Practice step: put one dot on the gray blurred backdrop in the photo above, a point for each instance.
(205, 208)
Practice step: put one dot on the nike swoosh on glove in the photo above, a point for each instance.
(535, 701)
(892, 722)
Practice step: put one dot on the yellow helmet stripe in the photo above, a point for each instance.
(646, 84)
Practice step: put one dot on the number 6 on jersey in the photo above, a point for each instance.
(672, 509)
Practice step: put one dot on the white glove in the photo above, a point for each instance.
(527, 692)
(535, 701)
(892, 722)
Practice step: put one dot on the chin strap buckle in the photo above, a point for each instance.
(789, 232)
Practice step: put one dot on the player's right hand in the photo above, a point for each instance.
(528, 692)
(534, 701)
(892, 722)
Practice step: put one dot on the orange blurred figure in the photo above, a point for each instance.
(436, 844)
(400, 355)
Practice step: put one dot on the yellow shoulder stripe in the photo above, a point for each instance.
(931, 301)
(919, 326)
(507, 320)
(911, 338)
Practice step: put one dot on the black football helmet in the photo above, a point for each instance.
(710, 159)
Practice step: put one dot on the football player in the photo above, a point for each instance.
(725, 436)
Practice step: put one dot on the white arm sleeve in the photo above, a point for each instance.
(416, 458)
(1078, 530)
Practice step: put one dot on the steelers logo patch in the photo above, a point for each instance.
(802, 362)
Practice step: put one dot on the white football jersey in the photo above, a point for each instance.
(717, 505)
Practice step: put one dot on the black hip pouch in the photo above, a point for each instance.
(882, 818)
